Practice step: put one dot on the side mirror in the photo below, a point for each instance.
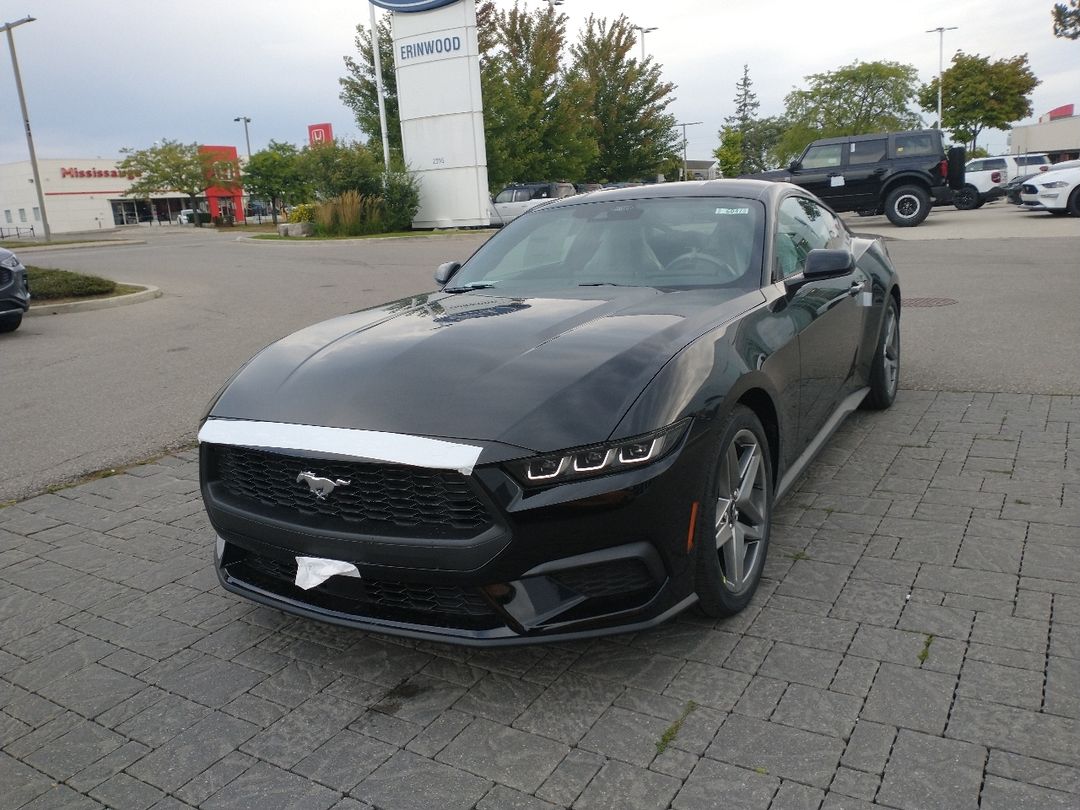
(794, 166)
(445, 272)
(822, 263)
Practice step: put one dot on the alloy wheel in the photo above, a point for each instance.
(890, 355)
(741, 511)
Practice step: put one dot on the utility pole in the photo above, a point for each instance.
(6, 27)
(644, 31)
(684, 125)
(940, 31)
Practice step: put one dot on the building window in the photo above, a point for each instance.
(7, 215)
(37, 214)
(22, 215)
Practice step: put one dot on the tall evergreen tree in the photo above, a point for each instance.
(737, 136)
(635, 134)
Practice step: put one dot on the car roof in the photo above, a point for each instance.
(763, 190)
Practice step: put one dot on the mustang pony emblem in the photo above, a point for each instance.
(320, 486)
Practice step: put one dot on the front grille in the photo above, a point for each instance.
(442, 605)
(5, 276)
(607, 579)
(378, 497)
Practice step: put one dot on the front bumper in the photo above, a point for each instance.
(14, 290)
(597, 556)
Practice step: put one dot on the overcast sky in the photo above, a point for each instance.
(105, 75)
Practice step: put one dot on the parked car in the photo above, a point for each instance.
(14, 291)
(186, 216)
(1014, 186)
(1056, 191)
(899, 174)
(515, 200)
(988, 178)
(584, 431)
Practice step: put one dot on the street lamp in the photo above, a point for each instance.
(247, 139)
(644, 31)
(6, 27)
(684, 125)
(553, 3)
(940, 31)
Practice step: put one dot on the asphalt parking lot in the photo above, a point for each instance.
(915, 643)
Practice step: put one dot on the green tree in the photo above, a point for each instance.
(1066, 19)
(274, 174)
(635, 134)
(172, 166)
(331, 169)
(730, 152)
(536, 116)
(978, 94)
(359, 91)
(740, 122)
(862, 97)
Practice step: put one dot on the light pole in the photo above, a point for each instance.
(940, 31)
(6, 27)
(553, 3)
(247, 139)
(644, 31)
(684, 125)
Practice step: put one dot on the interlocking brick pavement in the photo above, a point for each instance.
(915, 644)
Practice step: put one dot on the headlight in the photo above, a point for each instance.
(1055, 184)
(599, 459)
(11, 262)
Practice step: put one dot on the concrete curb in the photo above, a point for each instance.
(102, 243)
(310, 240)
(146, 294)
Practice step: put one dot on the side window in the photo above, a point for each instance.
(910, 144)
(505, 196)
(802, 226)
(7, 215)
(822, 157)
(866, 151)
(975, 166)
(540, 193)
(523, 195)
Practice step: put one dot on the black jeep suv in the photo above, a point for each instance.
(14, 291)
(899, 174)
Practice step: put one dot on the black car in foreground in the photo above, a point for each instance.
(14, 291)
(585, 431)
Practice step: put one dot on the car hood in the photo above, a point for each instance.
(775, 175)
(540, 373)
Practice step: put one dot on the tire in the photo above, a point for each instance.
(907, 206)
(885, 367)
(9, 323)
(731, 544)
(967, 198)
(1074, 202)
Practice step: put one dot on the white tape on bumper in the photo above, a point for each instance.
(314, 571)
(369, 445)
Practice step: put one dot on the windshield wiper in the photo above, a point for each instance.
(604, 284)
(472, 285)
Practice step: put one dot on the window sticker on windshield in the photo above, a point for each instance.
(732, 211)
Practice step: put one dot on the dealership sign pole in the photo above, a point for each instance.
(437, 64)
(376, 63)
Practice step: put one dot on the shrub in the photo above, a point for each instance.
(304, 212)
(350, 214)
(49, 285)
(401, 201)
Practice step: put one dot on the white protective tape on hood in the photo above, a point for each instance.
(314, 571)
(369, 445)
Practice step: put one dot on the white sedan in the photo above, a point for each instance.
(1055, 191)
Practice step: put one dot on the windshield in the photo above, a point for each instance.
(662, 242)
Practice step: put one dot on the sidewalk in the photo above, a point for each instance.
(915, 645)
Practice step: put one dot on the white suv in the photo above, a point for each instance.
(1055, 191)
(985, 178)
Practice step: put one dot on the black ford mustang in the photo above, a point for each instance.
(584, 432)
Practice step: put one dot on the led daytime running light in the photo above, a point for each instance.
(599, 459)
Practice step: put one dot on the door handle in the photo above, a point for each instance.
(856, 288)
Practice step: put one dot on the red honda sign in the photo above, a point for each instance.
(320, 134)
